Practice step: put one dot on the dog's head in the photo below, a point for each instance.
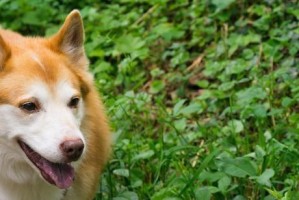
(42, 89)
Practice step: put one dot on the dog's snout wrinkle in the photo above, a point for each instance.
(72, 149)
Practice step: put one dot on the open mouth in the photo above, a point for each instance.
(59, 174)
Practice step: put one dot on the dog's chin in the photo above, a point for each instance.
(58, 174)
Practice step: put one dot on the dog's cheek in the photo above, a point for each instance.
(79, 114)
(8, 121)
(11, 121)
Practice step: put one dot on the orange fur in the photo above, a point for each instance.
(58, 62)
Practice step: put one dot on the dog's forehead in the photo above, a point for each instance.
(61, 91)
(36, 58)
(42, 62)
(39, 60)
(38, 73)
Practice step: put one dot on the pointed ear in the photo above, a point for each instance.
(70, 37)
(4, 53)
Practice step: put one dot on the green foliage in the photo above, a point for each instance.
(202, 95)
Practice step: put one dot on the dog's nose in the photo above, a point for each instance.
(72, 149)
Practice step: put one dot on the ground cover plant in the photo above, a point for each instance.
(202, 95)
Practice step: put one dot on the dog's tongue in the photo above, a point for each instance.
(59, 174)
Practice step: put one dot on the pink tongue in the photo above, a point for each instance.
(61, 175)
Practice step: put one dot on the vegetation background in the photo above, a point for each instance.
(202, 94)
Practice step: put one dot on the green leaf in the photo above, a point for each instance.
(157, 86)
(222, 4)
(260, 153)
(294, 11)
(168, 31)
(180, 124)
(236, 67)
(224, 183)
(128, 43)
(227, 86)
(236, 126)
(121, 172)
(127, 196)
(259, 111)
(264, 178)
(286, 102)
(203, 83)
(164, 193)
(193, 108)
(247, 96)
(205, 193)
(239, 197)
(211, 176)
(239, 167)
(212, 68)
(144, 155)
(178, 106)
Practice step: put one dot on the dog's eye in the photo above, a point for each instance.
(30, 107)
(74, 102)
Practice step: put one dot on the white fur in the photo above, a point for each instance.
(43, 131)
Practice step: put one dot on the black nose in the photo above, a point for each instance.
(72, 149)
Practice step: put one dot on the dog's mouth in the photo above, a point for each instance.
(59, 174)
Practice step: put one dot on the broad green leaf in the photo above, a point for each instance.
(168, 31)
(121, 172)
(259, 111)
(264, 178)
(286, 102)
(236, 67)
(180, 124)
(212, 68)
(268, 135)
(157, 86)
(247, 96)
(211, 176)
(227, 86)
(178, 106)
(203, 83)
(193, 108)
(294, 11)
(144, 155)
(259, 152)
(127, 196)
(236, 126)
(128, 43)
(240, 167)
(224, 183)
(239, 197)
(205, 193)
(164, 193)
(222, 4)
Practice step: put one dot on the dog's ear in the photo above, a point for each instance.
(70, 38)
(4, 52)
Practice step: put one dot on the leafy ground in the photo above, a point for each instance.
(202, 95)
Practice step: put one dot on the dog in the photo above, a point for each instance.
(54, 135)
